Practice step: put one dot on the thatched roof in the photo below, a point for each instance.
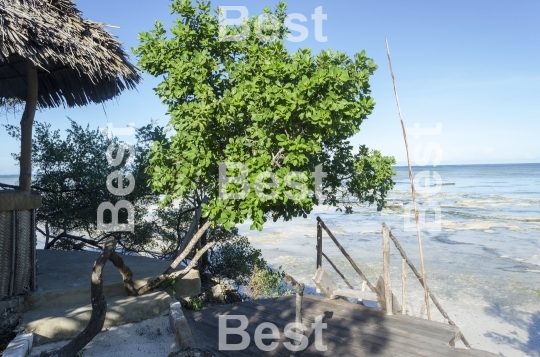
(78, 62)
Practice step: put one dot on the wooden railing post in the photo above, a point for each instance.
(351, 261)
(419, 276)
(299, 289)
(403, 278)
(386, 270)
(319, 245)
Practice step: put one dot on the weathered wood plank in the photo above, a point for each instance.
(325, 284)
(206, 321)
(355, 294)
(332, 337)
(314, 305)
(352, 330)
(377, 336)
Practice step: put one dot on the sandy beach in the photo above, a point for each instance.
(146, 338)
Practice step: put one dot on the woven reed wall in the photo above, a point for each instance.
(17, 252)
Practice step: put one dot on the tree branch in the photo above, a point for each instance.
(127, 274)
(157, 281)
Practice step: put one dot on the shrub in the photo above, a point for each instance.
(267, 283)
(235, 259)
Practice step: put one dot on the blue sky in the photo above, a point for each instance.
(473, 66)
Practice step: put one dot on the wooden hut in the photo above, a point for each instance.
(49, 56)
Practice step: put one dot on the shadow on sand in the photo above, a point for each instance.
(526, 321)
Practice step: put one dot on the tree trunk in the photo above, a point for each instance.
(99, 308)
(203, 262)
(27, 121)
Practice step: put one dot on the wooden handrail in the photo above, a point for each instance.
(419, 276)
(337, 270)
(342, 250)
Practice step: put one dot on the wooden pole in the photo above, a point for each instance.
(433, 298)
(403, 278)
(426, 297)
(353, 264)
(337, 271)
(299, 289)
(27, 122)
(319, 245)
(386, 271)
(13, 252)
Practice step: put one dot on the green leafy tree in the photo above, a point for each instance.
(71, 175)
(253, 102)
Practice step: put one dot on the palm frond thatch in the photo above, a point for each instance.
(78, 61)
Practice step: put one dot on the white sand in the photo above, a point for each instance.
(146, 338)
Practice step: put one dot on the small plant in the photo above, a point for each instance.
(267, 283)
(168, 282)
(194, 304)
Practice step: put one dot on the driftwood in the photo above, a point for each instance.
(433, 298)
(353, 264)
(99, 308)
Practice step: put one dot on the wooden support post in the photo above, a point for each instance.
(403, 278)
(386, 270)
(13, 252)
(34, 254)
(299, 289)
(319, 245)
(353, 264)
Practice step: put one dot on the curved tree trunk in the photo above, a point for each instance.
(99, 308)
(27, 121)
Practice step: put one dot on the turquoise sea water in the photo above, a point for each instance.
(483, 263)
(489, 226)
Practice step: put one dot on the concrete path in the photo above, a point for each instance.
(149, 338)
(60, 308)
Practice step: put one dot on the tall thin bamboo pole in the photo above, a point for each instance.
(426, 296)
